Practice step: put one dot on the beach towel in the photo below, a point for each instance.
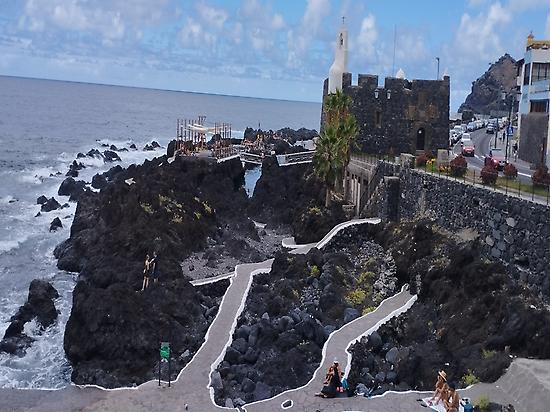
(439, 406)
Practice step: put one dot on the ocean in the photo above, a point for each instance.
(43, 125)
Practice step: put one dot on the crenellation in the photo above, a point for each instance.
(402, 116)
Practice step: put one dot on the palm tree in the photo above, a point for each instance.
(339, 134)
(328, 159)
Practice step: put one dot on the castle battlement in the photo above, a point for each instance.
(401, 116)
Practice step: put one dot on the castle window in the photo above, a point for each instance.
(376, 94)
(388, 94)
(378, 118)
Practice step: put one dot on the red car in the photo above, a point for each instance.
(468, 148)
(496, 159)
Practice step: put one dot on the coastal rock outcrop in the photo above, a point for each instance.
(111, 156)
(40, 306)
(294, 196)
(74, 168)
(485, 95)
(470, 318)
(55, 224)
(111, 337)
(49, 205)
(72, 188)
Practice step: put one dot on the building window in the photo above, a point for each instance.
(378, 118)
(420, 139)
(539, 106)
(526, 74)
(541, 71)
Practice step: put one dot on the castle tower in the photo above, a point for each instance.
(340, 65)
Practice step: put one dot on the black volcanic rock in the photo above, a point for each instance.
(471, 316)
(55, 224)
(95, 154)
(39, 306)
(486, 90)
(50, 204)
(72, 188)
(111, 156)
(172, 208)
(294, 196)
(99, 181)
(74, 168)
(41, 200)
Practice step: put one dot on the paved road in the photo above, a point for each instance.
(483, 142)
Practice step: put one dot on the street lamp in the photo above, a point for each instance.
(503, 97)
(512, 97)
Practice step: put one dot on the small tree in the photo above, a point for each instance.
(510, 171)
(489, 175)
(541, 177)
(423, 158)
(459, 165)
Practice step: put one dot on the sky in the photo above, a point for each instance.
(260, 48)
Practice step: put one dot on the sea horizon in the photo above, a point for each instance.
(159, 89)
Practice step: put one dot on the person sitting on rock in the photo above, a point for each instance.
(146, 271)
(332, 382)
(440, 387)
(452, 400)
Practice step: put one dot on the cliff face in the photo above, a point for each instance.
(486, 90)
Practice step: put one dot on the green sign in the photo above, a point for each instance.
(164, 350)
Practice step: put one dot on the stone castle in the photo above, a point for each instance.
(403, 116)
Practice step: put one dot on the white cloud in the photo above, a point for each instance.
(213, 17)
(299, 40)
(477, 36)
(192, 35)
(112, 20)
(367, 38)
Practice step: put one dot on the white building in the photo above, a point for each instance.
(340, 65)
(534, 105)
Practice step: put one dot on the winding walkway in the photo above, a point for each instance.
(527, 383)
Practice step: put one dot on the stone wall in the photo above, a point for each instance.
(391, 117)
(533, 133)
(513, 230)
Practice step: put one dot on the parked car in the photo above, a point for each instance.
(490, 128)
(496, 158)
(468, 148)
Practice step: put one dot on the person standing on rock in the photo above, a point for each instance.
(154, 263)
(146, 272)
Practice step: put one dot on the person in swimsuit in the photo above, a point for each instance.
(146, 271)
(441, 387)
(452, 402)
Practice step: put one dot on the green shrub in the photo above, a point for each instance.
(365, 277)
(356, 297)
(198, 215)
(487, 354)
(459, 165)
(469, 378)
(368, 309)
(314, 271)
(482, 403)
